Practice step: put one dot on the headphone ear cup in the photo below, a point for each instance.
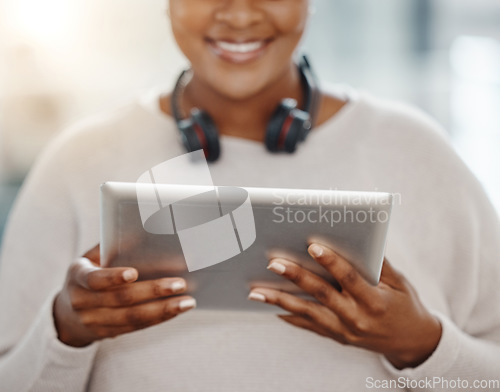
(189, 135)
(206, 133)
(275, 126)
(288, 126)
(297, 130)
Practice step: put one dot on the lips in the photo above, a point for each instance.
(238, 52)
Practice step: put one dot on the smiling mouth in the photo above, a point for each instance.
(245, 47)
(238, 52)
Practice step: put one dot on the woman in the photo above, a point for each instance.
(59, 315)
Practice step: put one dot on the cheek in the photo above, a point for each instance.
(290, 26)
(188, 25)
(293, 20)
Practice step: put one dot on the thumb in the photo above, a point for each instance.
(94, 255)
(391, 276)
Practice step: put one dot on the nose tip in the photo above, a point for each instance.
(239, 13)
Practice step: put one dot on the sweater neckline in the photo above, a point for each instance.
(150, 101)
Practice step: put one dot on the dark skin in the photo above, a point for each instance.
(388, 318)
(97, 303)
(240, 88)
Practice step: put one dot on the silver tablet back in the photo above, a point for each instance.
(220, 239)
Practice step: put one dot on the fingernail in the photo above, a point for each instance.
(178, 285)
(316, 250)
(257, 297)
(186, 304)
(277, 267)
(129, 275)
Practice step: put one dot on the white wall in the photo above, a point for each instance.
(62, 59)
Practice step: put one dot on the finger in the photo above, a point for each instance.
(138, 315)
(311, 283)
(342, 271)
(127, 295)
(302, 322)
(88, 275)
(103, 332)
(313, 311)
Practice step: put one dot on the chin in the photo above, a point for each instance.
(238, 93)
(238, 88)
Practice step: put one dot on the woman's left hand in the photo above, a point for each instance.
(388, 318)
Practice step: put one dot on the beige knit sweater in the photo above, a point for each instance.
(444, 237)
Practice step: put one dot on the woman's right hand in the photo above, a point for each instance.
(97, 303)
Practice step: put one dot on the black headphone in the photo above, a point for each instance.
(288, 124)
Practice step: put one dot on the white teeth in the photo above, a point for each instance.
(240, 48)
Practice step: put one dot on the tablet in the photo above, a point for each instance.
(220, 239)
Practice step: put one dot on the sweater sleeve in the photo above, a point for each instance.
(460, 361)
(468, 354)
(38, 247)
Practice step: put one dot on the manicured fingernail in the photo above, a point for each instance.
(316, 250)
(277, 267)
(186, 304)
(129, 275)
(178, 285)
(257, 297)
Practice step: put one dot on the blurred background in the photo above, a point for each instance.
(61, 60)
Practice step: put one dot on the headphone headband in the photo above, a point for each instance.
(180, 85)
(311, 90)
